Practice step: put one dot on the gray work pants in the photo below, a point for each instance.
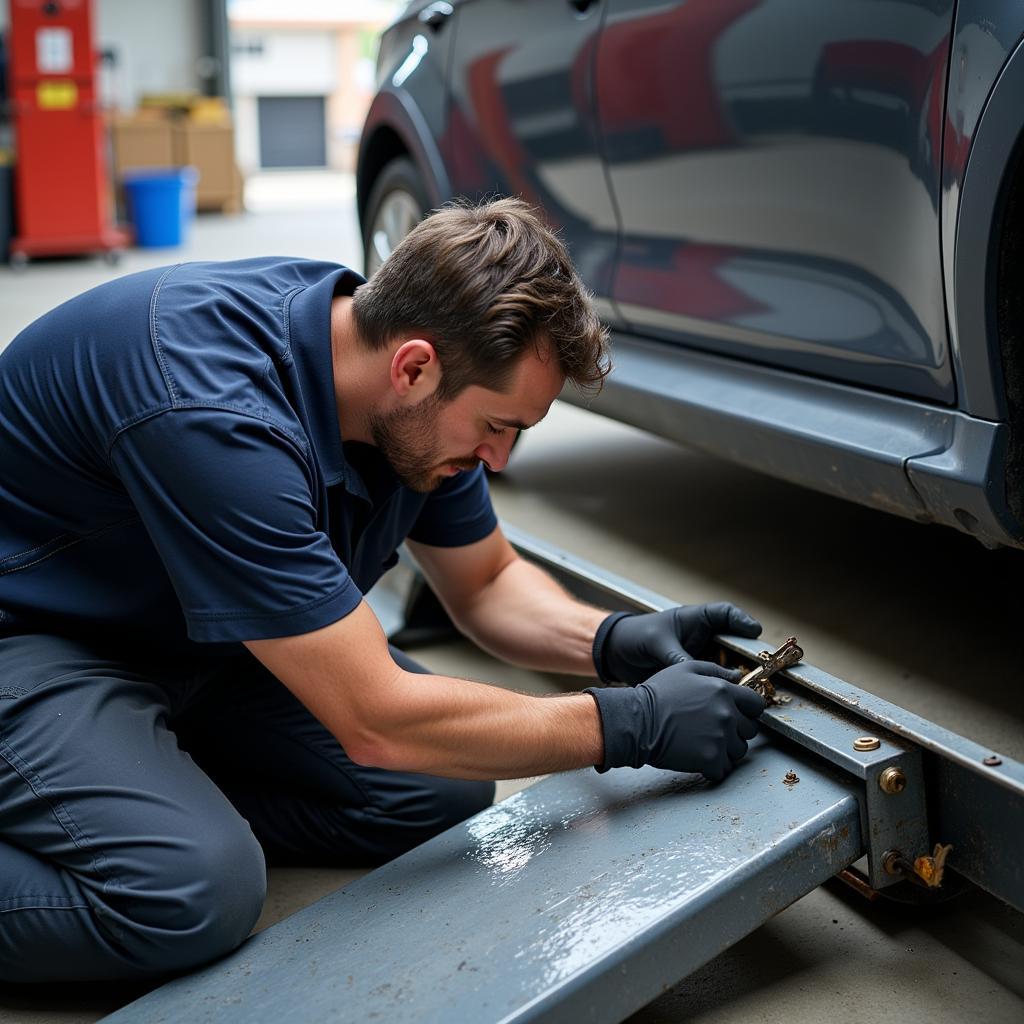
(140, 800)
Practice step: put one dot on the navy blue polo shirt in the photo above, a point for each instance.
(171, 463)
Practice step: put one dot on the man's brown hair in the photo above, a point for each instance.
(481, 283)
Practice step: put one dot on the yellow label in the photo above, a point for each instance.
(56, 95)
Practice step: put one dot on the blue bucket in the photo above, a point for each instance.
(161, 202)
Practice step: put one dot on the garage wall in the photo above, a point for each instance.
(271, 62)
(158, 44)
(283, 62)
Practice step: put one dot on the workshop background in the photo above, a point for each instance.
(267, 100)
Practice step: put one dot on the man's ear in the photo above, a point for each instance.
(415, 370)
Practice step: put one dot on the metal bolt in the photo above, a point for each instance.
(992, 761)
(866, 743)
(892, 862)
(892, 781)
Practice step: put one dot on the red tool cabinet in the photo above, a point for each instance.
(62, 192)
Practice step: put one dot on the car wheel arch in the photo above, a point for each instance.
(989, 242)
(1007, 310)
(395, 127)
(992, 166)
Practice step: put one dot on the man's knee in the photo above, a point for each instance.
(163, 906)
(202, 900)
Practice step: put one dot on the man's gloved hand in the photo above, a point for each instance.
(628, 648)
(687, 717)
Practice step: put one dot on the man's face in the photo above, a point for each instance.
(428, 442)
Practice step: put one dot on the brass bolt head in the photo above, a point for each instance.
(892, 781)
(866, 743)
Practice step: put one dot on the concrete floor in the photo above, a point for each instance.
(920, 615)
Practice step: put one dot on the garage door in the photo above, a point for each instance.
(292, 131)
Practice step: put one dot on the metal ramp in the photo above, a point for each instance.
(587, 895)
(581, 898)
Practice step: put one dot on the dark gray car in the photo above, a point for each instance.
(802, 221)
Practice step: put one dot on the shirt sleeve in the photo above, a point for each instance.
(228, 501)
(458, 512)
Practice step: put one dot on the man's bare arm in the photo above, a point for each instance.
(389, 718)
(511, 608)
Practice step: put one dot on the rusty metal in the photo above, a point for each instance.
(759, 678)
(864, 743)
(790, 778)
(899, 818)
(992, 761)
(892, 781)
(926, 870)
(930, 869)
(858, 883)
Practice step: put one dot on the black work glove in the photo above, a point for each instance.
(628, 648)
(689, 717)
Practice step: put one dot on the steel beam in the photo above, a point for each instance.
(975, 796)
(581, 898)
(585, 896)
(895, 818)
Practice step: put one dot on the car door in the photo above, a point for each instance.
(776, 168)
(521, 120)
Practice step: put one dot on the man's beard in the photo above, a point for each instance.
(407, 439)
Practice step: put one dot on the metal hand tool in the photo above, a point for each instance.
(759, 678)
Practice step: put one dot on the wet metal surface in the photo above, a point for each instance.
(580, 899)
(976, 805)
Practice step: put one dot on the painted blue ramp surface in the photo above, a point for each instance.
(578, 899)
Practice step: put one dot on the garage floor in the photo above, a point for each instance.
(921, 615)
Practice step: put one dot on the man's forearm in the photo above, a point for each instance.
(451, 727)
(524, 617)
(386, 717)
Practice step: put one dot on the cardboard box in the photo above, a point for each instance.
(141, 142)
(161, 138)
(211, 149)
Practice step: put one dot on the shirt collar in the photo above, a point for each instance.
(310, 333)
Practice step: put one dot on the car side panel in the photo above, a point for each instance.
(521, 121)
(777, 170)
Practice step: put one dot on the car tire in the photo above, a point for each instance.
(396, 204)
